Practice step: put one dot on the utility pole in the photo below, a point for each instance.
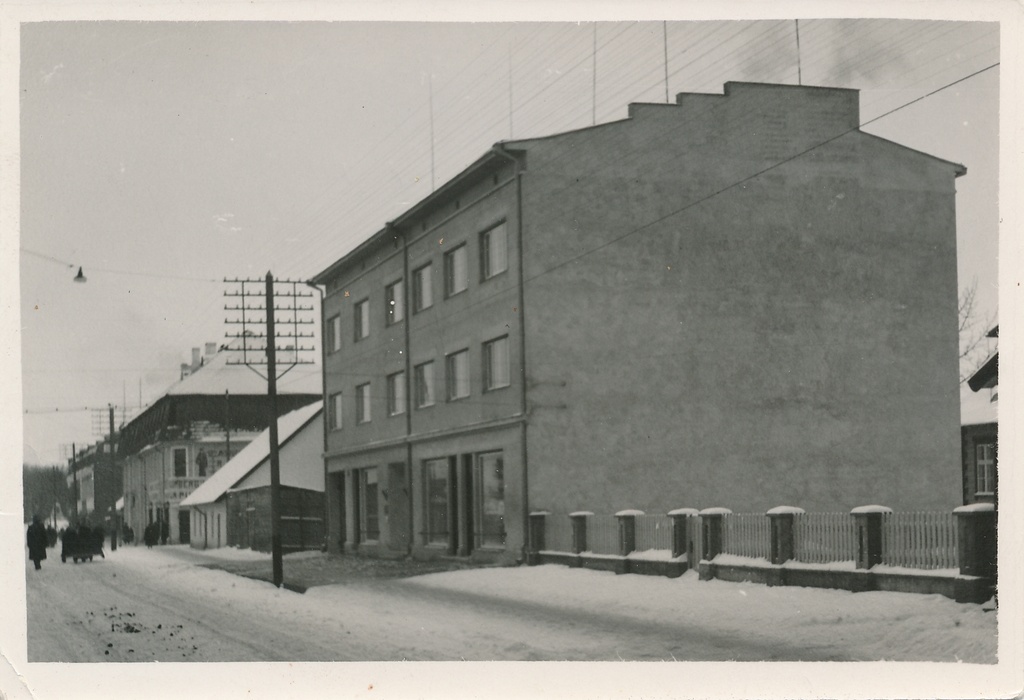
(74, 479)
(260, 349)
(113, 471)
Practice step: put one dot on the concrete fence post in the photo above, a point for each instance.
(783, 543)
(868, 522)
(538, 523)
(713, 534)
(681, 525)
(627, 530)
(579, 530)
(976, 539)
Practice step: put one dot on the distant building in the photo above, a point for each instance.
(96, 483)
(736, 300)
(232, 507)
(190, 432)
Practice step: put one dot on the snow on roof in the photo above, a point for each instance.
(977, 408)
(217, 376)
(250, 457)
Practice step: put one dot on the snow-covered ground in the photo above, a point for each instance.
(183, 612)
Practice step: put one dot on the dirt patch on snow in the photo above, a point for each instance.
(302, 573)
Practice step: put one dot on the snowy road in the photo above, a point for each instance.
(157, 605)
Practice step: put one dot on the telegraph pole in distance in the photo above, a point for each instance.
(260, 349)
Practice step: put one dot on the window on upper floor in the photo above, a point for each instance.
(985, 467)
(456, 271)
(422, 288)
(394, 298)
(362, 319)
(333, 333)
(493, 251)
(496, 364)
(334, 411)
(363, 403)
(396, 393)
(180, 462)
(457, 375)
(424, 379)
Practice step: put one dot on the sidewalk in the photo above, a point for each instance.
(304, 570)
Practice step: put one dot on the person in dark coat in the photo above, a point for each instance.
(149, 535)
(68, 543)
(36, 541)
(98, 537)
(165, 532)
(51, 536)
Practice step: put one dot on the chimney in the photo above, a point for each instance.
(185, 370)
(195, 357)
(211, 349)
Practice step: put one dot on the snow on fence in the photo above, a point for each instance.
(558, 533)
(820, 538)
(920, 540)
(602, 534)
(653, 532)
(747, 535)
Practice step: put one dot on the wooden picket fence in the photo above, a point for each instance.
(558, 534)
(653, 532)
(820, 538)
(747, 535)
(603, 534)
(920, 540)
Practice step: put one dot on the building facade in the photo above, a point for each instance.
(187, 435)
(737, 300)
(232, 508)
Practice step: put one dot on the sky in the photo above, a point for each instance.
(162, 157)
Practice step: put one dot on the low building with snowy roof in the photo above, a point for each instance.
(201, 422)
(232, 507)
(979, 431)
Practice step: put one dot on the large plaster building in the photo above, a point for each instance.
(737, 300)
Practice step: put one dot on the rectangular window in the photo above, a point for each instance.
(422, 289)
(369, 526)
(334, 412)
(396, 393)
(490, 499)
(496, 369)
(435, 473)
(363, 403)
(424, 377)
(457, 375)
(362, 319)
(180, 462)
(456, 271)
(986, 467)
(493, 252)
(333, 331)
(394, 296)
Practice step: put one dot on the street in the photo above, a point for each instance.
(154, 605)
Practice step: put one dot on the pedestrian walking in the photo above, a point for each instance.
(68, 543)
(165, 532)
(149, 535)
(36, 541)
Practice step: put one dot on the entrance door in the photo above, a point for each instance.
(465, 507)
(184, 530)
(397, 508)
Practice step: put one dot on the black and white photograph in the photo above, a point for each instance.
(386, 351)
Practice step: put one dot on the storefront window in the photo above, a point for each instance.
(491, 499)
